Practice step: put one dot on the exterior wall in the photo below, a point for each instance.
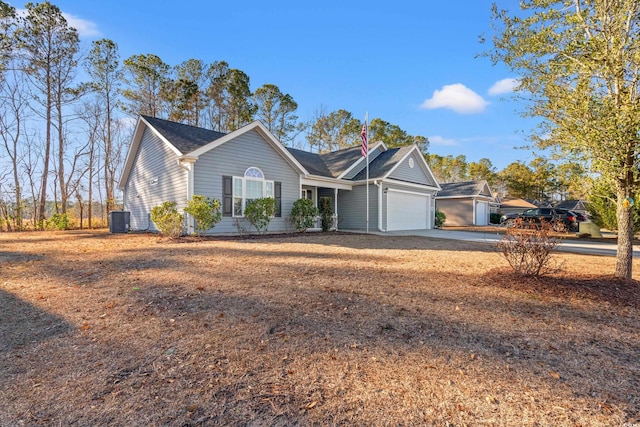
(233, 158)
(416, 174)
(457, 211)
(394, 186)
(352, 207)
(155, 177)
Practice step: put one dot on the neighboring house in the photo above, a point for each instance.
(169, 161)
(465, 203)
(511, 205)
(578, 206)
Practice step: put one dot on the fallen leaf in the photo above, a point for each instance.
(491, 400)
(311, 404)
(192, 408)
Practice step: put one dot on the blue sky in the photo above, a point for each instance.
(410, 63)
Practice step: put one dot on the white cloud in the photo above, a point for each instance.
(504, 86)
(456, 97)
(441, 141)
(84, 27)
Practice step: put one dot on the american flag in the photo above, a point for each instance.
(363, 135)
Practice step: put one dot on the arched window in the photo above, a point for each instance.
(254, 173)
(250, 187)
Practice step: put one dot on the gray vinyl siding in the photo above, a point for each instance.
(372, 155)
(457, 211)
(431, 211)
(352, 207)
(154, 160)
(416, 174)
(233, 158)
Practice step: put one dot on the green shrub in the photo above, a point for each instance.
(303, 213)
(205, 211)
(440, 219)
(57, 222)
(494, 218)
(326, 213)
(259, 213)
(167, 219)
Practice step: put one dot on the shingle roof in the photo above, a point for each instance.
(312, 162)
(462, 189)
(571, 205)
(516, 203)
(184, 137)
(327, 164)
(382, 165)
(339, 161)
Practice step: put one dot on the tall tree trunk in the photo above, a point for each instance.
(625, 235)
(61, 178)
(108, 176)
(47, 154)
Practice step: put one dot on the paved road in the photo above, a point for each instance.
(580, 246)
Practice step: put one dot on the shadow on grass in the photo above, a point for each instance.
(599, 288)
(23, 324)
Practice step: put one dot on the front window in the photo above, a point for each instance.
(250, 187)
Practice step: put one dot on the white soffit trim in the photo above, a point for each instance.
(325, 182)
(407, 184)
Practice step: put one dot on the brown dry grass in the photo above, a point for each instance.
(99, 329)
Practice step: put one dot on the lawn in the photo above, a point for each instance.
(335, 329)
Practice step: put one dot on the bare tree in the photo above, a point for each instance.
(49, 47)
(13, 106)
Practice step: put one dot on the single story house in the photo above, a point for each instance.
(170, 161)
(465, 203)
(511, 205)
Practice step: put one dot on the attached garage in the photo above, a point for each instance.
(407, 211)
(465, 203)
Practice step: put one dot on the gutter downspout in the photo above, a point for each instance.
(379, 185)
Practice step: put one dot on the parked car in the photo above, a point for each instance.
(533, 217)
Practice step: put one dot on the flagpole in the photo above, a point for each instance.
(366, 122)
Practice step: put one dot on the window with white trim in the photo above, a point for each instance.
(250, 187)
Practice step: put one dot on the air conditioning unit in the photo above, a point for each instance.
(119, 221)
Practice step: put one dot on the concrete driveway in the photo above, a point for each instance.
(579, 246)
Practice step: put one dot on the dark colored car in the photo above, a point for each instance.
(533, 217)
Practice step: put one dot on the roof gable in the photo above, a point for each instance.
(388, 161)
(476, 188)
(264, 132)
(189, 142)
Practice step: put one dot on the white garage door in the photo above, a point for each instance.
(407, 211)
(482, 213)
